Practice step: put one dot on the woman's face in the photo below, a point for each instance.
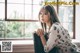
(44, 16)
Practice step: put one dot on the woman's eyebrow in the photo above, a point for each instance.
(41, 12)
(46, 12)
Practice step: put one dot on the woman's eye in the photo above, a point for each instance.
(40, 13)
(46, 13)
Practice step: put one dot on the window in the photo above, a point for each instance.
(19, 18)
(66, 15)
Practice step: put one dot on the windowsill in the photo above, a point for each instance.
(30, 42)
(21, 42)
(75, 41)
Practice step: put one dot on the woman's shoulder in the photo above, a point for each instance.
(58, 26)
(55, 25)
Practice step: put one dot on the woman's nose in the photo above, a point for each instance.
(42, 16)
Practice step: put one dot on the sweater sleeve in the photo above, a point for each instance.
(52, 39)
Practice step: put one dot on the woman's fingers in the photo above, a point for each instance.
(40, 32)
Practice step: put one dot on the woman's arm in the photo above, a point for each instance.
(43, 40)
(52, 39)
(50, 43)
(40, 33)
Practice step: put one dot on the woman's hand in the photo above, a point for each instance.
(40, 32)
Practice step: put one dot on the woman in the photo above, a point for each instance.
(57, 36)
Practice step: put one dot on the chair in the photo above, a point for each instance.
(38, 47)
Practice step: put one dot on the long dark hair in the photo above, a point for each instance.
(53, 15)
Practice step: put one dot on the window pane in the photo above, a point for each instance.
(28, 12)
(1, 34)
(2, 24)
(2, 10)
(66, 13)
(15, 30)
(77, 0)
(28, 1)
(30, 28)
(69, 27)
(36, 9)
(15, 1)
(37, 1)
(2, 0)
(15, 11)
(2, 29)
(21, 29)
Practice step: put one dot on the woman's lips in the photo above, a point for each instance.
(42, 19)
